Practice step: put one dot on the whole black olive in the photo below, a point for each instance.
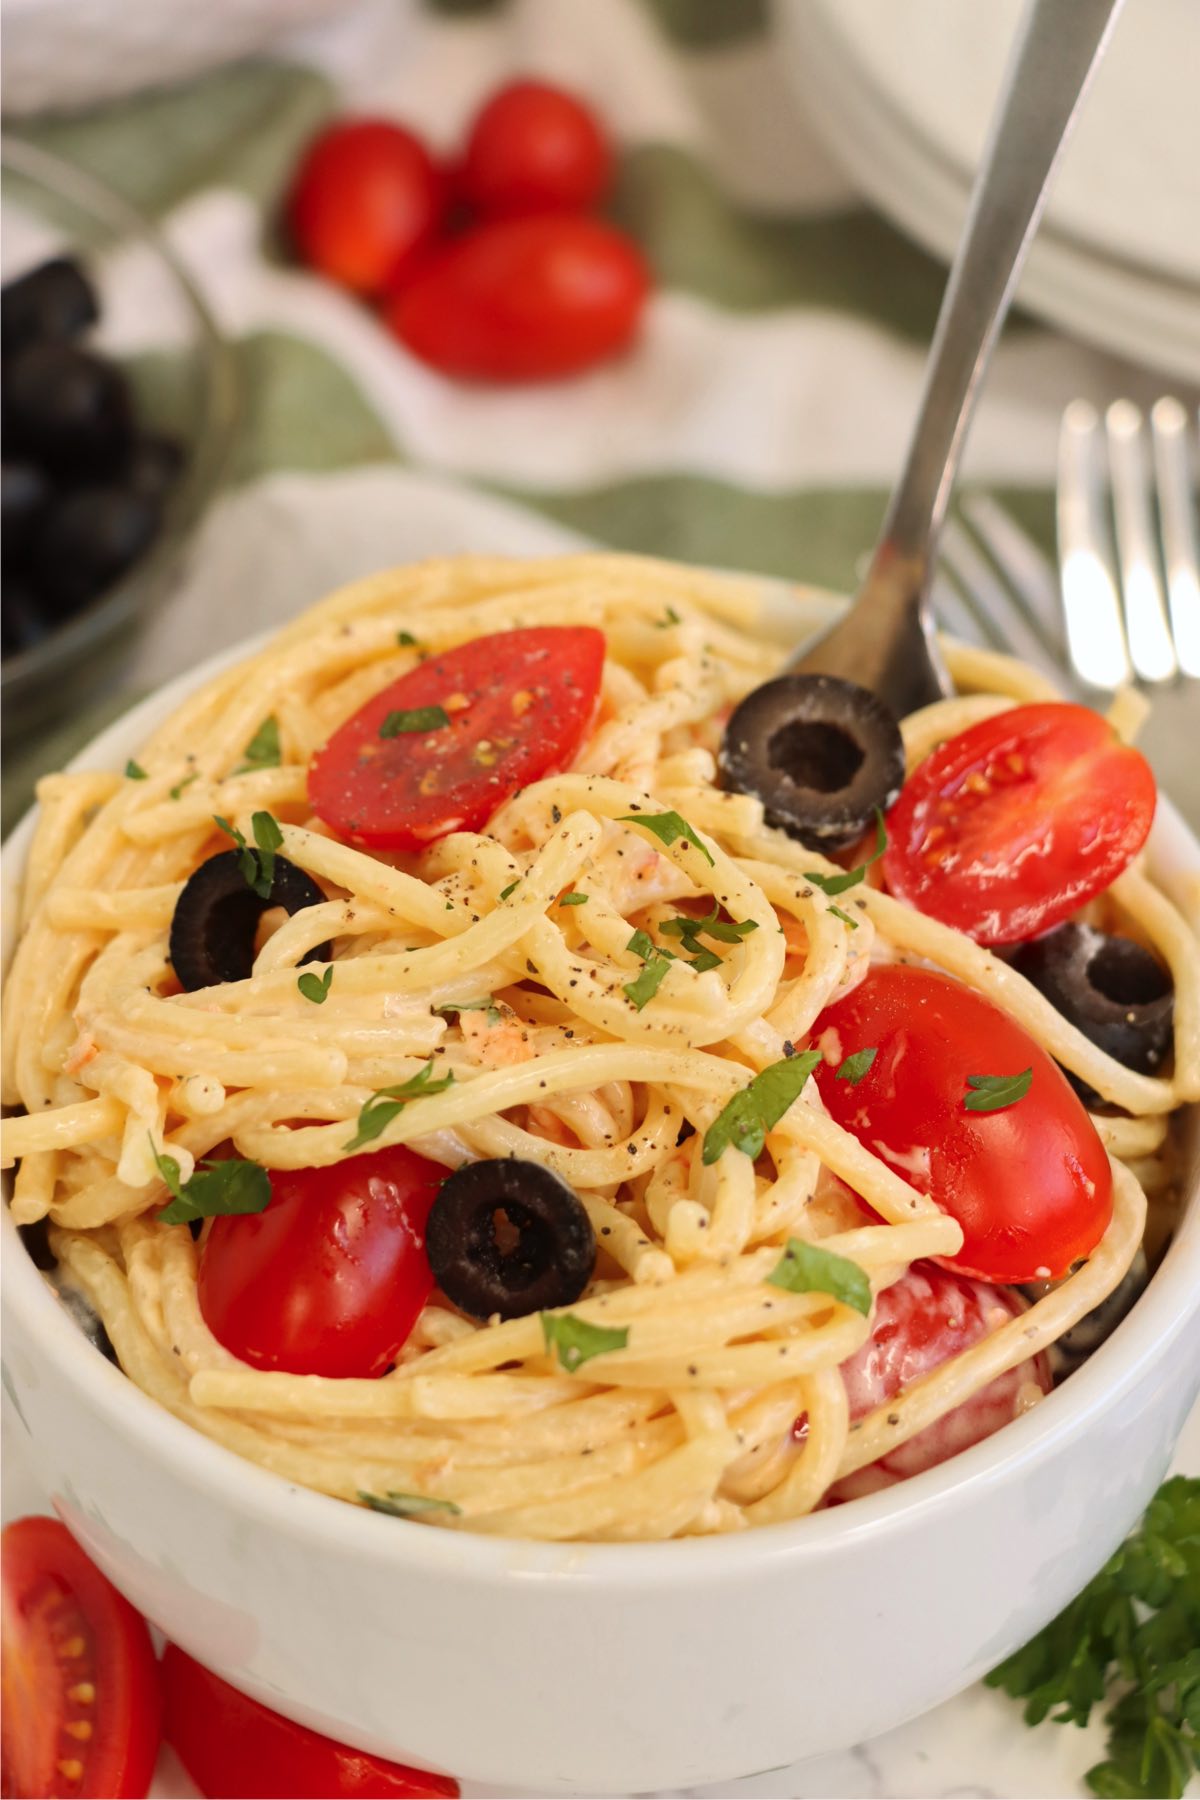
(820, 753)
(84, 539)
(216, 918)
(67, 409)
(24, 491)
(550, 1250)
(55, 301)
(1112, 989)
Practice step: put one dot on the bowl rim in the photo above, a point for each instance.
(220, 413)
(1143, 1338)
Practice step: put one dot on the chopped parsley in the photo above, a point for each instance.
(668, 826)
(576, 1342)
(572, 900)
(187, 781)
(262, 752)
(990, 1093)
(856, 1065)
(406, 1506)
(217, 1188)
(257, 865)
(406, 640)
(378, 1112)
(670, 617)
(510, 889)
(726, 931)
(807, 1269)
(744, 1121)
(840, 884)
(420, 718)
(486, 1005)
(316, 987)
(135, 772)
(654, 966)
(1131, 1643)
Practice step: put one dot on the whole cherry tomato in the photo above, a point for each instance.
(330, 1278)
(1012, 825)
(1029, 1181)
(535, 148)
(366, 201)
(524, 299)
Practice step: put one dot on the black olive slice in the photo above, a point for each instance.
(54, 301)
(1074, 1347)
(217, 914)
(1112, 989)
(551, 1248)
(820, 753)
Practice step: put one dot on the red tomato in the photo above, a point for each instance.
(1010, 826)
(535, 148)
(79, 1689)
(524, 299)
(365, 201)
(330, 1278)
(1030, 1184)
(921, 1321)
(235, 1749)
(518, 704)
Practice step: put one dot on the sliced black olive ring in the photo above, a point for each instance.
(216, 918)
(506, 1237)
(820, 753)
(1111, 989)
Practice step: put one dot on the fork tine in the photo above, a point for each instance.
(955, 615)
(1146, 628)
(1091, 609)
(999, 608)
(1028, 572)
(1177, 516)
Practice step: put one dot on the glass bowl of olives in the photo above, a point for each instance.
(120, 402)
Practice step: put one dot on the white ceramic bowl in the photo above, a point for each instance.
(605, 1668)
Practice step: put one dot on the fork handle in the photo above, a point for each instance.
(1048, 73)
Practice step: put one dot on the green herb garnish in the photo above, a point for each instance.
(420, 718)
(654, 966)
(486, 1005)
(187, 781)
(1130, 1642)
(572, 900)
(257, 865)
(379, 1111)
(856, 1065)
(844, 917)
(807, 1269)
(510, 889)
(262, 752)
(406, 1506)
(576, 1341)
(135, 772)
(670, 617)
(406, 640)
(745, 1121)
(316, 987)
(668, 826)
(726, 931)
(217, 1188)
(989, 1093)
(839, 884)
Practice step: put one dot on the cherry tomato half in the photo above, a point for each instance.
(517, 706)
(330, 1278)
(235, 1749)
(79, 1688)
(365, 201)
(524, 299)
(1030, 1184)
(1010, 826)
(535, 148)
(922, 1320)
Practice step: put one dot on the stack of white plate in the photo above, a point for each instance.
(902, 91)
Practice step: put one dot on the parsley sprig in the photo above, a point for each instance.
(655, 962)
(989, 1093)
(378, 1112)
(418, 718)
(832, 885)
(745, 1121)
(668, 826)
(316, 987)
(689, 930)
(262, 752)
(1129, 1642)
(218, 1187)
(807, 1269)
(406, 1506)
(855, 1066)
(575, 1341)
(257, 865)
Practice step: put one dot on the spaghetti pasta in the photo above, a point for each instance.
(686, 1426)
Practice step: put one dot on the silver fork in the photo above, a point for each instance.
(1125, 604)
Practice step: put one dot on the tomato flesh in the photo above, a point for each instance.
(519, 705)
(366, 201)
(524, 299)
(1030, 1184)
(330, 1278)
(921, 1321)
(535, 148)
(232, 1746)
(1012, 825)
(79, 1689)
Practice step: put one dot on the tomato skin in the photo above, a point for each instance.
(535, 148)
(524, 299)
(1011, 826)
(53, 1596)
(329, 1280)
(366, 201)
(235, 1749)
(1030, 1184)
(520, 703)
(922, 1320)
